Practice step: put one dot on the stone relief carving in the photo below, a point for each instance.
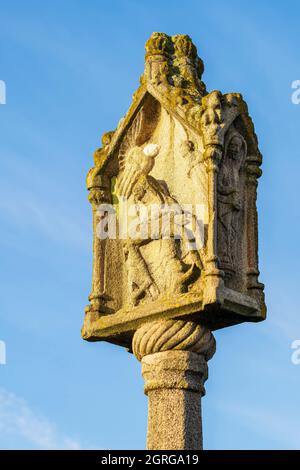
(178, 145)
(195, 166)
(156, 265)
(229, 199)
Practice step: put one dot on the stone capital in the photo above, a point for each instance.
(173, 336)
(181, 370)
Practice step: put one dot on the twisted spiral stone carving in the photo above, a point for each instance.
(179, 335)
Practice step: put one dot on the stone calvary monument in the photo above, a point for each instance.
(175, 253)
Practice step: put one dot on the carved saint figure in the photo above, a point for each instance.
(155, 265)
(229, 200)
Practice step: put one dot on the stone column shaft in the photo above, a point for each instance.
(174, 385)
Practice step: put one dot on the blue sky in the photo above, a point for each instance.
(70, 69)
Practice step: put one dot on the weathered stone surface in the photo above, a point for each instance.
(178, 335)
(175, 250)
(174, 383)
(177, 145)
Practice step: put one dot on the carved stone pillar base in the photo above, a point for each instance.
(174, 356)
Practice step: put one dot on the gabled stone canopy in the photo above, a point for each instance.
(208, 154)
(173, 77)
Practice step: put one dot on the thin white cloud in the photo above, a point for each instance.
(39, 205)
(56, 223)
(287, 326)
(282, 429)
(19, 421)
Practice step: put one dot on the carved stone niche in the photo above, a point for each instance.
(195, 151)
